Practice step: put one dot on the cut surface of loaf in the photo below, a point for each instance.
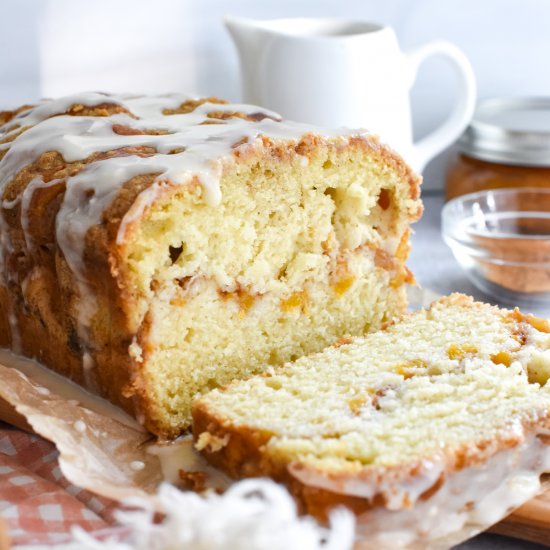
(154, 248)
(440, 421)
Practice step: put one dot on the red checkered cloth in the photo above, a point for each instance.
(37, 504)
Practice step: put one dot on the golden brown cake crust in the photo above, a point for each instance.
(45, 314)
(243, 451)
(243, 455)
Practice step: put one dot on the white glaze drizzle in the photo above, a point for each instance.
(201, 152)
(469, 500)
(181, 455)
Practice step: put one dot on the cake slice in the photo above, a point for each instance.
(154, 248)
(436, 424)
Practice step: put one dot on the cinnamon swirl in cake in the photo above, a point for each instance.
(155, 248)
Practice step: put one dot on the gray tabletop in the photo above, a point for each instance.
(433, 264)
(435, 268)
(431, 260)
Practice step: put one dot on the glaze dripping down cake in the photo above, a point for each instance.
(154, 248)
(434, 426)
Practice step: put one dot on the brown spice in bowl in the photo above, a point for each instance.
(532, 277)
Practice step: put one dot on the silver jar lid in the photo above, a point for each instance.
(510, 131)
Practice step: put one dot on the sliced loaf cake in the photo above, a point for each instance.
(154, 248)
(435, 424)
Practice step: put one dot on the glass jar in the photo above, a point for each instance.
(506, 145)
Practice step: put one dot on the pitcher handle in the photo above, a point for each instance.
(455, 123)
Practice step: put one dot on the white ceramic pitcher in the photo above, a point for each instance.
(333, 72)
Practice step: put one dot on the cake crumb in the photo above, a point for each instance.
(344, 341)
(135, 351)
(211, 443)
(193, 481)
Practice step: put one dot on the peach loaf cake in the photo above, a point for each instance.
(154, 248)
(431, 426)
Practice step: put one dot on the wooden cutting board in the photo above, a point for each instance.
(531, 522)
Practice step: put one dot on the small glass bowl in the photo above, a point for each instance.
(501, 238)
